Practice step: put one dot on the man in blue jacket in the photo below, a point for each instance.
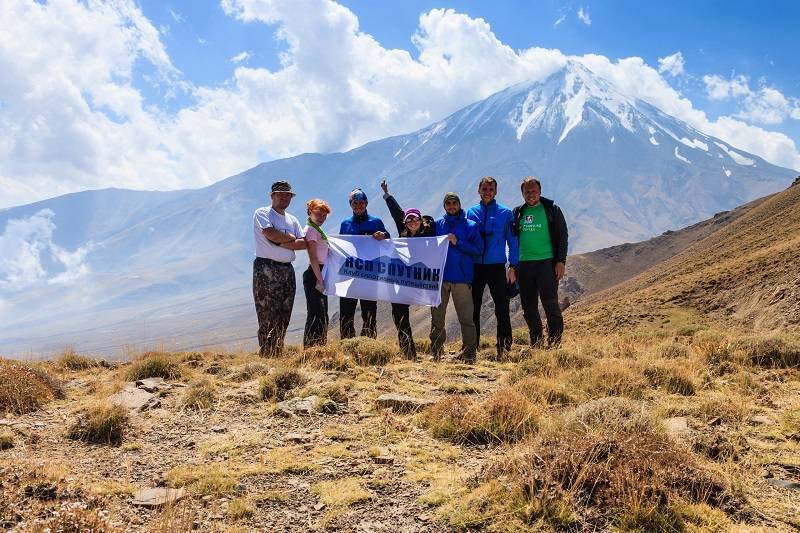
(361, 223)
(464, 249)
(495, 223)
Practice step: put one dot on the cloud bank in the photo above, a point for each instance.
(71, 116)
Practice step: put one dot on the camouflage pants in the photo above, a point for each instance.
(273, 292)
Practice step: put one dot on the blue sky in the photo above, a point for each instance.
(151, 94)
(757, 40)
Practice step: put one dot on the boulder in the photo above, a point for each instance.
(157, 496)
(298, 406)
(401, 403)
(677, 426)
(135, 399)
(151, 384)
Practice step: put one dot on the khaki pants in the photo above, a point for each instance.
(462, 300)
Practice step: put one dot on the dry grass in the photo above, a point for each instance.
(547, 363)
(101, 424)
(6, 439)
(76, 520)
(612, 413)
(200, 395)
(547, 391)
(611, 377)
(328, 357)
(214, 480)
(767, 352)
(505, 416)
(369, 352)
(154, 365)
(277, 385)
(24, 388)
(248, 371)
(341, 492)
(69, 360)
(673, 379)
(241, 508)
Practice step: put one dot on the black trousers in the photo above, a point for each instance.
(316, 330)
(495, 277)
(400, 315)
(537, 279)
(347, 315)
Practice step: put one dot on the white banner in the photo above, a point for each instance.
(406, 271)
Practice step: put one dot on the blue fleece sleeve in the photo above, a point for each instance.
(512, 240)
(473, 244)
(382, 228)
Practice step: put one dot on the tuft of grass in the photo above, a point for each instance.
(101, 424)
(460, 388)
(546, 391)
(287, 460)
(546, 363)
(672, 350)
(69, 518)
(327, 357)
(505, 416)
(767, 352)
(674, 379)
(69, 360)
(248, 372)
(611, 413)
(6, 440)
(369, 352)
(341, 492)
(328, 391)
(24, 389)
(241, 508)
(200, 395)
(714, 348)
(154, 365)
(275, 386)
(611, 377)
(214, 480)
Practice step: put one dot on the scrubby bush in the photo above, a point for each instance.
(154, 365)
(101, 424)
(200, 395)
(714, 348)
(505, 416)
(275, 386)
(24, 388)
(369, 352)
(607, 479)
(672, 350)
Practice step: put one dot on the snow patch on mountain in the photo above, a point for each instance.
(679, 156)
(736, 156)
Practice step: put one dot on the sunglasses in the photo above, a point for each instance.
(412, 219)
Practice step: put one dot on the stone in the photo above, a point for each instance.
(678, 425)
(383, 459)
(135, 399)
(320, 506)
(761, 420)
(299, 438)
(401, 403)
(783, 483)
(219, 429)
(157, 496)
(328, 406)
(300, 406)
(151, 384)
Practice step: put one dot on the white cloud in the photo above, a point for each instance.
(719, 88)
(672, 65)
(177, 17)
(240, 57)
(71, 117)
(559, 20)
(764, 105)
(583, 16)
(26, 244)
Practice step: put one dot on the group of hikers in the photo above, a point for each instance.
(507, 250)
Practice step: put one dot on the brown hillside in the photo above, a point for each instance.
(744, 271)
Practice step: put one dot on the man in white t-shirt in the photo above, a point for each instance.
(277, 235)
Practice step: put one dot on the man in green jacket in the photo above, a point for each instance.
(543, 238)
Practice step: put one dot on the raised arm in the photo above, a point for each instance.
(394, 208)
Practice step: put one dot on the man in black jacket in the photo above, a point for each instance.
(543, 238)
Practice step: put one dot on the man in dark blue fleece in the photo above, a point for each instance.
(465, 247)
(495, 223)
(361, 223)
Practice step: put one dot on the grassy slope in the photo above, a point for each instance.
(745, 272)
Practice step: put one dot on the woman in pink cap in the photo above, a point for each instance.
(410, 223)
